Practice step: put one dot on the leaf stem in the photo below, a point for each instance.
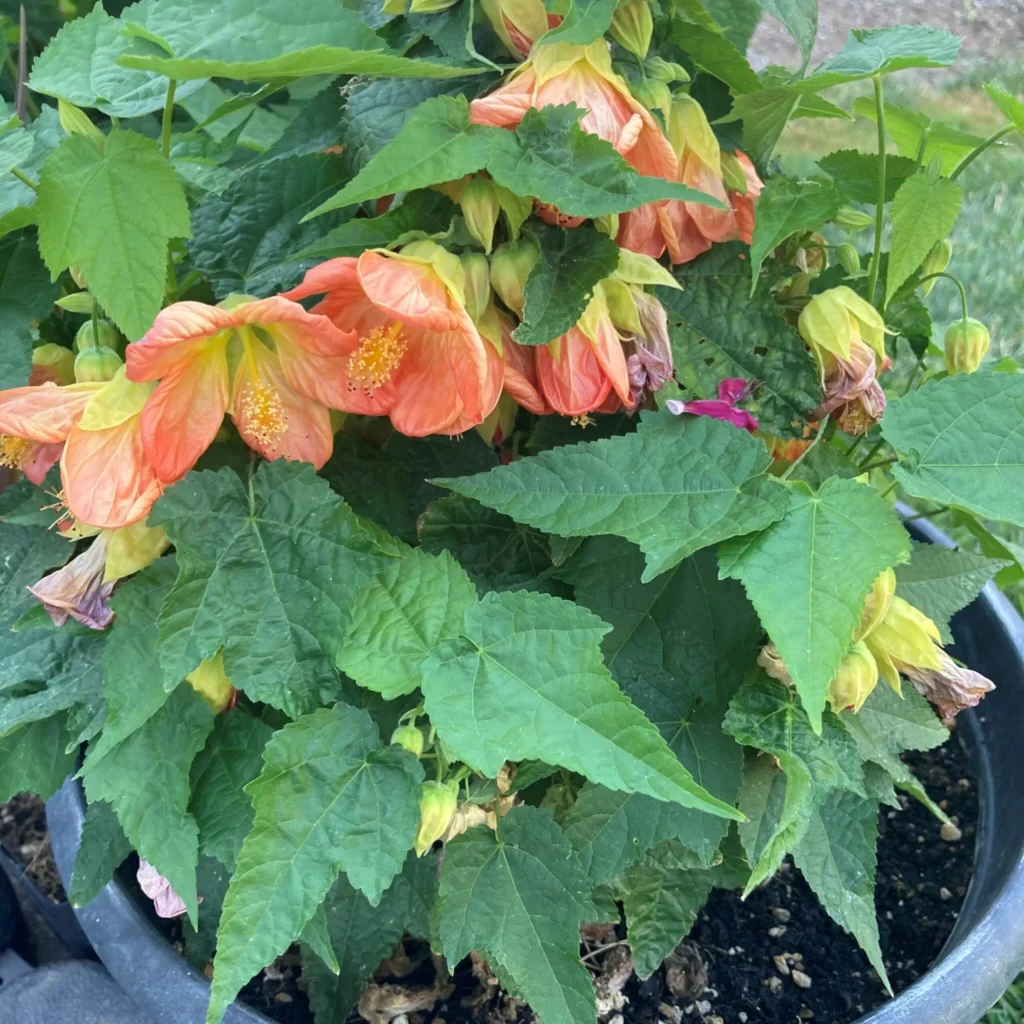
(889, 489)
(822, 427)
(874, 451)
(979, 149)
(22, 176)
(957, 282)
(878, 464)
(876, 256)
(928, 514)
(172, 85)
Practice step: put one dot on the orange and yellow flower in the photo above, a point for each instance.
(412, 351)
(274, 367)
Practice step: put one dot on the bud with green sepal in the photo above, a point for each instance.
(632, 27)
(853, 219)
(511, 265)
(733, 176)
(481, 209)
(98, 363)
(848, 258)
(438, 802)
(854, 680)
(54, 363)
(935, 262)
(965, 345)
(410, 737)
(607, 224)
(96, 334)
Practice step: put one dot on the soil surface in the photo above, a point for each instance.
(23, 832)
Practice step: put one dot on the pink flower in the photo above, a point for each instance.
(77, 591)
(730, 392)
(166, 902)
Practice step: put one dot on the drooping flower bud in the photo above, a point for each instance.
(511, 265)
(632, 27)
(849, 258)
(517, 23)
(854, 680)
(409, 737)
(853, 219)
(951, 687)
(78, 591)
(833, 320)
(906, 636)
(211, 682)
(876, 604)
(478, 283)
(132, 548)
(438, 802)
(77, 276)
(666, 71)
(481, 209)
(89, 336)
(965, 345)
(53, 363)
(935, 262)
(96, 364)
(771, 661)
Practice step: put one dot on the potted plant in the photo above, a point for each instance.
(650, 626)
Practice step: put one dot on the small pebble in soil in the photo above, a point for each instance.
(774, 985)
(778, 931)
(780, 965)
(801, 980)
(950, 832)
(781, 915)
(945, 894)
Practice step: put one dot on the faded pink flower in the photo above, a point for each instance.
(950, 688)
(77, 591)
(649, 359)
(730, 392)
(166, 902)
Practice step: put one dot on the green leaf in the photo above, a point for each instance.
(146, 780)
(940, 581)
(562, 281)
(212, 879)
(713, 321)
(391, 484)
(269, 575)
(837, 856)
(778, 807)
(329, 799)
(738, 18)
(400, 616)
(876, 51)
(1012, 107)
(530, 879)
(661, 897)
(496, 552)
(112, 213)
(362, 936)
(15, 146)
(764, 115)
(26, 295)
(675, 486)
(79, 65)
(801, 20)
(807, 590)
(132, 678)
(314, 129)
(716, 54)
(241, 236)
(962, 443)
(259, 40)
(526, 680)
(102, 849)
(856, 174)
(231, 759)
(34, 758)
(787, 206)
(585, 21)
(923, 213)
(17, 200)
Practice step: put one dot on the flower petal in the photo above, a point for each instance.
(44, 413)
(491, 393)
(289, 323)
(521, 375)
(177, 336)
(410, 292)
(41, 459)
(714, 225)
(571, 377)
(78, 590)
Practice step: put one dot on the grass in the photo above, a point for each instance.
(1009, 1009)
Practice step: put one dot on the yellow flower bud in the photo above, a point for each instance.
(689, 130)
(481, 208)
(733, 175)
(438, 802)
(965, 345)
(853, 219)
(510, 267)
(410, 737)
(77, 276)
(876, 604)
(54, 363)
(855, 678)
(935, 262)
(906, 635)
(211, 681)
(654, 95)
(831, 321)
(632, 27)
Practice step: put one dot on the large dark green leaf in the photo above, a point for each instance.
(26, 294)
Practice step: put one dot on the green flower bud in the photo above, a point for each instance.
(733, 176)
(481, 209)
(632, 26)
(510, 267)
(654, 95)
(98, 363)
(855, 678)
(52, 362)
(935, 262)
(430, 6)
(608, 224)
(103, 335)
(76, 122)
(77, 276)
(438, 802)
(852, 219)
(965, 345)
(849, 258)
(478, 283)
(410, 737)
(666, 71)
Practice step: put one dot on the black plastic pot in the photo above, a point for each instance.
(983, 954)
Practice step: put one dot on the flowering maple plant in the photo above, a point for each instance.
(451, 477)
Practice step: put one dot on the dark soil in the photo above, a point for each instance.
(23, 832)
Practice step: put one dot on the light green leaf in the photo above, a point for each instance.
(132, 678)
(362, 936)
(712, 322)
(112, 213)
(675, 486)
(777, 806)
(34, 758)
(241, 238)
(787, 206)
(923, 213)
(562, 281)
(329, 799)
(585, 21)
(1012, 107)
(764, 115)
(102, 849)
(661, 897)
(17, 200)
(259, 40)
(526, 680)
(269, 575)
(26, 295)
(231, 759)
(530, 878)
(940, 581)
(801, 20)
(856, 174)
(79, 65)
(146, 780)
(807, 590)
(400, 616)
(15, 146)
(837, 856)
(962, 443)
(716, 54)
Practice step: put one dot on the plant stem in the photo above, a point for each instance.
(172, 85)
(874, 451)
(22, 176)
(979, 149)
(856, 444)
(12, 70)
(888, 490)
(876, 256)
(957, 282)
(878, 464)
(928, 514)
(822, 427)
